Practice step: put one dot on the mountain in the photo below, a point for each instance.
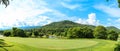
(113, 28)
(61, 27)
(66, 24)
(24, 27)
(29, 27)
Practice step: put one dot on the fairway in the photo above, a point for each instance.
(38, 44)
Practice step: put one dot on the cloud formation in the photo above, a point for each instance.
(21, 14)
(91, 20)
(29, 13)
(69, 6)
(112, 11)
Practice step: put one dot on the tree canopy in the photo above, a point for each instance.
(100, 32)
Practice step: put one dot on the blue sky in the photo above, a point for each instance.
(41, 12)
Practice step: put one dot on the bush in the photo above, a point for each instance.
(6, 33)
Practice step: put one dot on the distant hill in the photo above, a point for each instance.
(61, 27)
(24, 27)
(29, 27)
(66, 24)
(113, 28)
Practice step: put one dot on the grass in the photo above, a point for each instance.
(38, 44)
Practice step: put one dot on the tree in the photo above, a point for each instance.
(28, 34)
(5, 2)
(36, 33)
(14, 29)
(7, 33)
(41, 35)
(78, 32)
(20, 33)
(100, 32)
(88, 32)
(112, 35)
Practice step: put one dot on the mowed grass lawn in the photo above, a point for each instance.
(38, 44)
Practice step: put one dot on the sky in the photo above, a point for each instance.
(41, 12)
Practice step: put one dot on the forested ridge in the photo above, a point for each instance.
(66, 29)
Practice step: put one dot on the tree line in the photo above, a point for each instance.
(99, 32)
(17, 32)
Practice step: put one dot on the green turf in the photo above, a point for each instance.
(37, 44)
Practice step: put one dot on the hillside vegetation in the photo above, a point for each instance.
(61, 36)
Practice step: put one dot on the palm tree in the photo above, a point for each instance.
(4, 2)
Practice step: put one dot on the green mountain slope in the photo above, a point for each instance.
(66, 24)
(60, 28)
(113, 28)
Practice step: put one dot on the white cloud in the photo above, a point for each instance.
(91, 20)
(112, 11)
(70, 6)
(29, 13)
(23, 12)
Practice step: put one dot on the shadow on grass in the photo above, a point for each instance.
(3, 45)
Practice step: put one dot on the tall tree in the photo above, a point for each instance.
(14, 30)
(20, 33)
(100, 32)
(112, 35)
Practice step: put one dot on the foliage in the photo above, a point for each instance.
(100, 32)
(66, 29)
(78, 32)
(117, 48)
(28, 34)
(113, 28)
(7, 33)
(16, 32)
(20, 33)
(112, 35)
(41, 35)
(61, 28)
(36, 33)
